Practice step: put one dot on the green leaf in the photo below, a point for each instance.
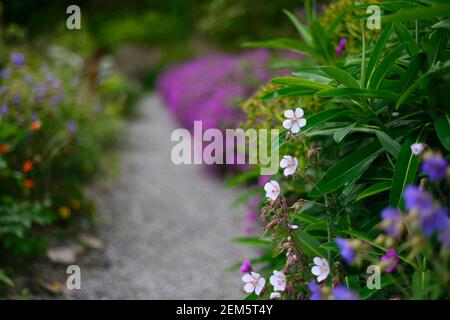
(338, 136)
(302, 30)
(442, 126)
(405, 171)
(377, 52)
(253, 241)
(287, 44)
(389, 144)
(321, 41)
(417, 14)
(300, 83)
(406, 38)
(383, 68)
(5, 279)
(346, 170)
(354, 92)
(309, 245)
(374, 189)
(288, 92)
(331, 246)
(442, 24)
(341, 76)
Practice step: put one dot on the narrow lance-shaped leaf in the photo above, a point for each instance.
(374, 189)
(302, 30)
(377, 52)
(442, 126)
(389, 144)
(405, 171)
(341, 76)
(346, 170)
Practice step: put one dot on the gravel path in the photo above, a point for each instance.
(167, 228)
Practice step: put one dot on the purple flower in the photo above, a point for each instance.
(391, 259)
(417, 198)
(347, 252)
(246, 266)
(15, 99)
(435, 166)
(315, 291)
(4, 109)
(5, 73)
(72, 126)
(343, 293)
(341, 47)
(3, 89)
(18, 59)
(433, 219)
(27, 78)
(392, 221)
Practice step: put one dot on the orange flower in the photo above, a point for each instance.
(27, 166)
(35, 125)
(64, 212)
(28, 183)
(4, 148)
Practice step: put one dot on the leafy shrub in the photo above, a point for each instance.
(54, 130)
(373, 102)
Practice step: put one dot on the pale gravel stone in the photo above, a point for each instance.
(167, 228)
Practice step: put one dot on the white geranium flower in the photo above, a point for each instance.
(275, 295)
(272, 189)
(253, 282)
(289, 164)
(417, 148)
(294, 120)
(278, 280)
(321, 269)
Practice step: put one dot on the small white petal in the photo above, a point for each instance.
(301, 122)
(316, 271)
(289, 114)
(287, 124)
(289, 171)
(260, 285)
(247, 278)
(275, 295)
(249, 287)
(317, 261)
(284, 163)
(322, 276)
(294, 227)
(295, 128)
(299, 112)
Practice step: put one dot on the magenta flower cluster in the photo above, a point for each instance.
(208, 88)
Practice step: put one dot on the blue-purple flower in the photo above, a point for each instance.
(392, 221)
(433, 219)
(347, 251)
(435, 166)
(4, 109)
(390, 260)
(315, 291)
(343, 293)
(5, 73)
(72, 126)
(417, 198)
(3, 89)
(17, 59)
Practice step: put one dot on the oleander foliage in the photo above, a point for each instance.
(366, 100)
